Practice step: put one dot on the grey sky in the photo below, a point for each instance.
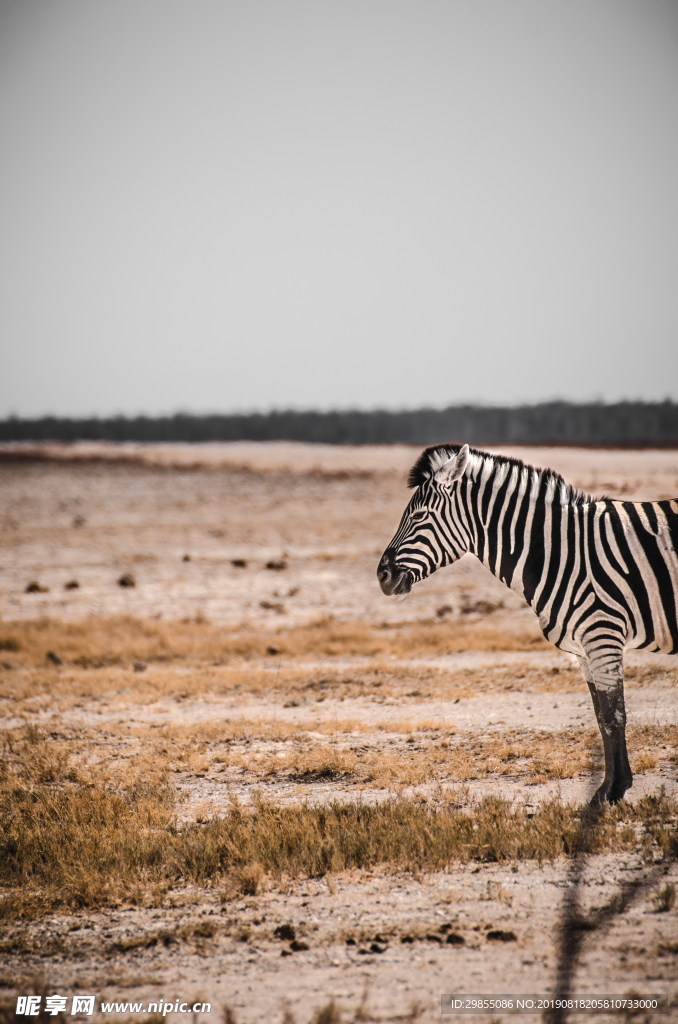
(332, 203)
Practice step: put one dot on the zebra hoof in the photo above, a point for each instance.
(618, 788)
(611, 793)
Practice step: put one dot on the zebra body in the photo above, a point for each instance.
(601, 575)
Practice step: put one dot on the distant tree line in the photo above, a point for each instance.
(559, 423)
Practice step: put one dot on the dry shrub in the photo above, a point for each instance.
(645, 762)
(194, 932)
(317, 764)
(665, 898)
(42, 759)
(327, 1014)
(250, 879)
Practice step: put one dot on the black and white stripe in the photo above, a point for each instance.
(601, 575)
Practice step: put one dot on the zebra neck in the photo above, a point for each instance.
(511, 509)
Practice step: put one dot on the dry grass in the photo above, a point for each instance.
(100, 642)
(69, 840)
(403, 753)
(299, 682)
(90, 848)
(184, 659)
(396, 755)
(293, 683)
(450, 756)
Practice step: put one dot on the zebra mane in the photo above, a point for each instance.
(432, 458)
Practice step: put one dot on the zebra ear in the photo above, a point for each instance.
(453, 469)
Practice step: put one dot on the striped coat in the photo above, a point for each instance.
(601, 575)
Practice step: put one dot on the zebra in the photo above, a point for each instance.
(601, 574)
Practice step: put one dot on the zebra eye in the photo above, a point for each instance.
(419, 515)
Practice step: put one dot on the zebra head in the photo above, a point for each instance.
(430, 533)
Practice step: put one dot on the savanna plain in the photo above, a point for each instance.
(233, 772)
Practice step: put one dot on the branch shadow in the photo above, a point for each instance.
(575, 925)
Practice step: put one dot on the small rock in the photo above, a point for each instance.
(186, 558)
(78, 522)
(71, 585)
(53, 658)
(36, 588)
(433, 938)
(286, 952)
(497, 935)
(127, 580)
(272, 606)
(350, 941)
(276, 564)
(239, 563)
(299, 947)
(285, 932)
(139, 666)
(454, 939)
(376, 948)
(272, 649)
(407, 938)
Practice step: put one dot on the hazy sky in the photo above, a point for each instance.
(244, 205)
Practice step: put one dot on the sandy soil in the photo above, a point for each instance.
(177, 518)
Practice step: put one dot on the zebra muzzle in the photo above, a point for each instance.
(393, 579)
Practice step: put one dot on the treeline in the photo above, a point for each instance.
(622, 423)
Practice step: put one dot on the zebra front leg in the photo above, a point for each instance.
(605, 680)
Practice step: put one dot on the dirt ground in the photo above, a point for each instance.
(345, 695)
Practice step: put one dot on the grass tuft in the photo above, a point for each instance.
(87, 846)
